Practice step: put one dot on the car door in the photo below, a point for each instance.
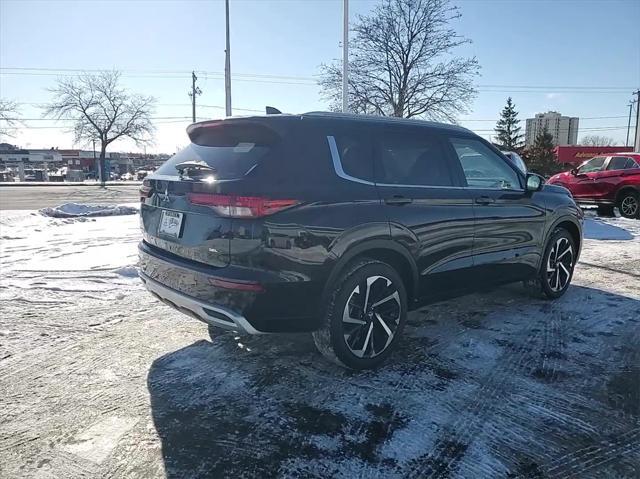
(428, 210)
(509, 221)
(584, 185)
(615, 171)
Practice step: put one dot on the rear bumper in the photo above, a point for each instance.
(218, 296)
(213, 315)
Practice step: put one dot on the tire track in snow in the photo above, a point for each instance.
(581, 461)
(492, 388)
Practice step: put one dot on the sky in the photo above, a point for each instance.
(581, 58)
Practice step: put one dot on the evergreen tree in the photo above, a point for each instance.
(541, 157)
(508, 130)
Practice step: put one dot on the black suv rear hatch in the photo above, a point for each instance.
(176, 212)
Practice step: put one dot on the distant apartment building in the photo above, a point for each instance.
(564, 129)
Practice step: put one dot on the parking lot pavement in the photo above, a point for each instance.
(99, 379)
(35, 197)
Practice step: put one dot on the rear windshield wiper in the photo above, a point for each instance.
(199, 167)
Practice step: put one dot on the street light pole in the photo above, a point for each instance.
(345, 56)
(636, 144)
(626, 143)
(98, 167)
(227, 65)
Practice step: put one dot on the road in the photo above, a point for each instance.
(99, 379)
(36, 197)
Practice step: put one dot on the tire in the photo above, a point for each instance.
(558, 263)
(372, 334)
(606, 211)
(629, 204)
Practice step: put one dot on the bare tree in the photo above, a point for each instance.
(401, 63)
(102, 111)
(596, 140)
(9, 117)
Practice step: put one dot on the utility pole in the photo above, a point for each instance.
(227, 66)
(345, 56)
(636, 144)
(626, 143)
(195, 91)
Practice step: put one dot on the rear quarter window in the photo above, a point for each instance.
(355, 153)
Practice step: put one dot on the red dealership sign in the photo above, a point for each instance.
(577, 154)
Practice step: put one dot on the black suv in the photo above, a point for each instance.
(339, 224)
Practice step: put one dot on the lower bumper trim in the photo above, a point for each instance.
(212, 314)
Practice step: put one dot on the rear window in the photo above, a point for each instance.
(231, 150)
(621, 163)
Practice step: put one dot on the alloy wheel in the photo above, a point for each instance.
(629, 206)
(559, 265)
(371, 316)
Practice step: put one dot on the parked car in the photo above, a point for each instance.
(606, 181)
(340, 224)
(7, 176)
(516, 160)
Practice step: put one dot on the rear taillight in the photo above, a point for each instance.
(145, 190)
(240, 206)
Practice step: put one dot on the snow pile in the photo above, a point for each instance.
(71, 210)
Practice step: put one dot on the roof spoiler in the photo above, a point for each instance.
(272, 111)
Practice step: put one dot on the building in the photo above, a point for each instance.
(10, 154)
(564, 129)
(28, 164)
(72, 164)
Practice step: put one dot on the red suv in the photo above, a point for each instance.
(606, 181)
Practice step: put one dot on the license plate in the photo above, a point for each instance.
(170, 223)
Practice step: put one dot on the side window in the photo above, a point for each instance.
(354, 151)
(482, 167)
(620, 163)
(593, 165)
(412, 158)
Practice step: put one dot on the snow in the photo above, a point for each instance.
(487, 385)
(70, 210)
(45, 258)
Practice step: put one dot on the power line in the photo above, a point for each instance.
(298, 80)
(71, 119)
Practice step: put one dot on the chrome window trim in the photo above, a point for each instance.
(337, 166)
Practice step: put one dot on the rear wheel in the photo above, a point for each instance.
(629, 204)
(557, 264)
(365, 315)
(606, 211)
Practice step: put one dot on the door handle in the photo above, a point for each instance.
(397, 200)
(485, 200)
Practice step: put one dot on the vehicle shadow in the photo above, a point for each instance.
(484, 386)
(595, 228)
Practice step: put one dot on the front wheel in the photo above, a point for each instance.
(629, 205)
(365, 316)
(557, 264)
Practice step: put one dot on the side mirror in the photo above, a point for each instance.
(574, 171)
(534, 182)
